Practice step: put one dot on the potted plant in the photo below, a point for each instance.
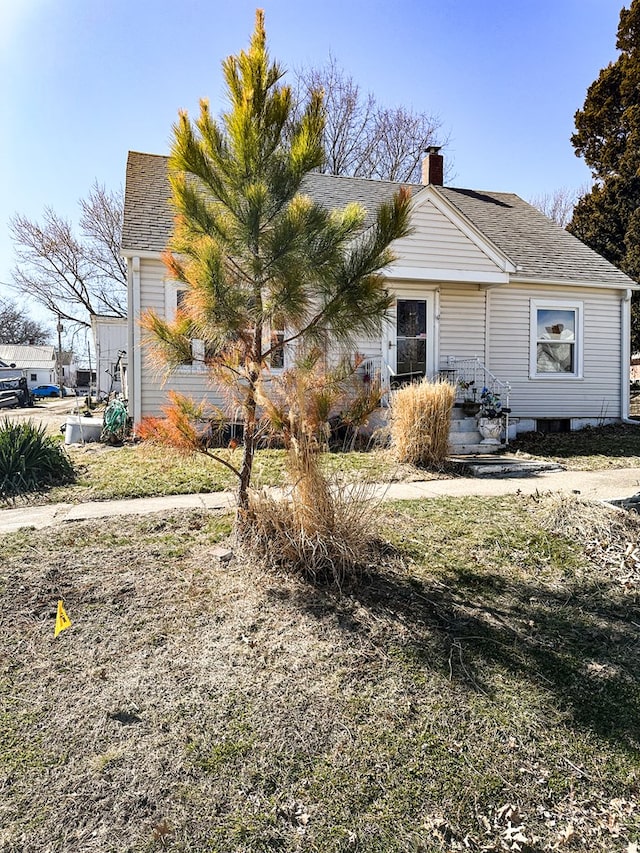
(490, 417)
(470, 406)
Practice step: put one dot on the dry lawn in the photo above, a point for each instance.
(480, 692)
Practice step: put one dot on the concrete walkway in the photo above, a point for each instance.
(613, 484)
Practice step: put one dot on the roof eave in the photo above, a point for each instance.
(568, 282)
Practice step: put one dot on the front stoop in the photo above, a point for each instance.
(464, 438)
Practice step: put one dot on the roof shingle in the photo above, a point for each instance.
(541, 249)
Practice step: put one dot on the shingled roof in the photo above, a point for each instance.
(540, 249)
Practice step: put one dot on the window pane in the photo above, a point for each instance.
(180, 297)
(556, 325)
(277, 356)
(555, 358)
(412, 356)
(412, 318)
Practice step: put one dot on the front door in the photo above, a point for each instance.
(410, 342)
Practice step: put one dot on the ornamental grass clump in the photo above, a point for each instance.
(321, 529)
(419, 421)
(30, 460)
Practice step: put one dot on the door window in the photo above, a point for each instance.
(411, 357)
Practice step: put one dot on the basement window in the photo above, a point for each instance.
(552, 426)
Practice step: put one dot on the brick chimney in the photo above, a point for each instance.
(433, 166)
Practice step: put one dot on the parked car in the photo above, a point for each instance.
(53, 391)
(46, 391)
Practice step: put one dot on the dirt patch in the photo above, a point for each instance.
(482, 689)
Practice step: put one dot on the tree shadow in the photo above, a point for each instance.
(581, 644)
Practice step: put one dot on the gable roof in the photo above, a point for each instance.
(540, 249)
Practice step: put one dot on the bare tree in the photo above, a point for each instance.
(559, 204)
(74, 276)
(16, 327)
(361, 137)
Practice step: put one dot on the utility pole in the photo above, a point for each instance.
(60, 368)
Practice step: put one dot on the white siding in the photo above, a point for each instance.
(110, 338)
(190, 381)
(597, 394)
(436, 243)
(462, 322)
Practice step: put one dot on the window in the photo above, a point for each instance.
(276, 342)
(174, 298)
(556, 339)
(411, 339)
(33, 377)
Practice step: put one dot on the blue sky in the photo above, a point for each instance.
(84, 81)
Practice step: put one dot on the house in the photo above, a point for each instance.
(488, 290)
(39, 364)
(110, 342)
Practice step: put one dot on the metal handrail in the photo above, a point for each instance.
(455, 370)
(472, 372)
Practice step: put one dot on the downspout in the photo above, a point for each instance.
(436, 332)
(625, 356)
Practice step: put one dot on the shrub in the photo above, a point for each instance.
(419, 421)
(323, 532)
(30, 460)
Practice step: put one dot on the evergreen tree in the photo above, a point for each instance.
(256, 254)
(608, 137)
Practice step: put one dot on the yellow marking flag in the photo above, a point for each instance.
(62, 620)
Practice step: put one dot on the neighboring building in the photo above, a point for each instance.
(110, 341)
(485, 286)
(39, 364)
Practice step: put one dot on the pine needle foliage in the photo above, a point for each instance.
(419, 419)
(255, 252)
(30, 460)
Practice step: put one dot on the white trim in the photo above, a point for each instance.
(146, 254)
(389, 342)
(487, 329)
(560, 282)
(540, 304)
(463, 276)
(625, 355)
(135, 343)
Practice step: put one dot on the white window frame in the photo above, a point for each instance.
(197, 364)
(577, 306)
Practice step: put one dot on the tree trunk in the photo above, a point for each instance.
(249, 439)
(249, 427)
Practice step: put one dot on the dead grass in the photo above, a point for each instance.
(419, 420)
(590, 449)
(482, 692)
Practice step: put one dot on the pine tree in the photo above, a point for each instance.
(608, 138)
(255, 253)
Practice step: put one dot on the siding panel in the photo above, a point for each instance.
(191, 381)
(462, 322)
(597, 394)
(437, 244)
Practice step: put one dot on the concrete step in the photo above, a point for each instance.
(470, 437)
(464, 425)
(475, 449)
(506, 466)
